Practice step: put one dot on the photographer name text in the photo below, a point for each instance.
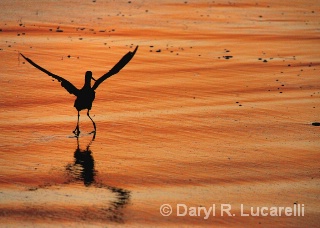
(226, 210)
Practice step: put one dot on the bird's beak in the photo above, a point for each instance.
(93, 79)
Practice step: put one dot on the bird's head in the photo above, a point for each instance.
(89, 76)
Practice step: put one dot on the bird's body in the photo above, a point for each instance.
(86, 95)
(84, 99)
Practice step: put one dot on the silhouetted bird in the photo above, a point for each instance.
(86, 95)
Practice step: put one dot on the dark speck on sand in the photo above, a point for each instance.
(227, 56)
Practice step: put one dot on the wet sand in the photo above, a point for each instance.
(216, 107)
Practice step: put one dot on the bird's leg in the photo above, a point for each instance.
(94, 125)
(76, 130)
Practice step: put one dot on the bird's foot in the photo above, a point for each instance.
(76, 132)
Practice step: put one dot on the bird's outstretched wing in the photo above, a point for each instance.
(64, 83)
(125, 59)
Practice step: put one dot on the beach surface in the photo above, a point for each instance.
(217, 109)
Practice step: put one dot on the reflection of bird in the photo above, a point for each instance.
(83, 167)
(86, 95)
